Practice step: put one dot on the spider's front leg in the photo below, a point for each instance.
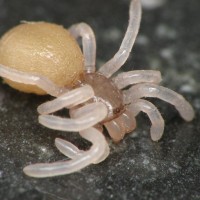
(126, 123)
(154, 115)
(71, 151)
(80, 161)
(152, 90)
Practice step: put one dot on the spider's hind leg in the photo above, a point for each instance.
(154, 115)
(32, 79)
(84, 31)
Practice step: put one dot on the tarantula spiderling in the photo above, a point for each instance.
(93, 98)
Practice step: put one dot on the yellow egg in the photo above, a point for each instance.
(45, 49)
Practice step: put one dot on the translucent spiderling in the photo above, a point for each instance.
(45, 58)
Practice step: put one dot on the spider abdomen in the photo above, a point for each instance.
(44, 49)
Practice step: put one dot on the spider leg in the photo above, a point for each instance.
(99, 146)
(67, 148)
(125, 79)
(89, 44)
(154, 115)
(68, 99)
(118, 127)
(71, 151)
(152, 90)
(85, 117)
(32, 79)
(122, 55)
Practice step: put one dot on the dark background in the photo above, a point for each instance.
(136, 168)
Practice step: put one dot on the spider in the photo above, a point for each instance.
(94, 99)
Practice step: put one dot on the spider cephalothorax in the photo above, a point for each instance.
(94, 99)
(105, 91)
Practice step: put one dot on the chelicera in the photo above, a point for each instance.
(94, 99)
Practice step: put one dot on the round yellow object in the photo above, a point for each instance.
(42, 48)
